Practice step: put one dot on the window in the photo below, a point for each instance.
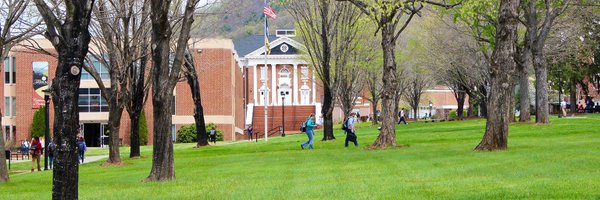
(10, 106)
(90, 100)
(284, 73)
(10, 134)
(6, 106)
(14, 106)
(102, 71)
(10, 68)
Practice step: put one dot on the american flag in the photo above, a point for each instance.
(269, 11)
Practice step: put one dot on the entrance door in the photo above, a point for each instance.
(91, 135)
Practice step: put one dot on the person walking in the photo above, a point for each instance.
(310, 132)
(51, 148)
(250, 129)
(36, 151)
(563, 108)
(402, 119)
(350, 130)
(213, 135)
(81, 148)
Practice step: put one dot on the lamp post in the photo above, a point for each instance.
(283, 93)
(430, 108)
(47, 123)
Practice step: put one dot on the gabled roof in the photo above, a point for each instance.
(251, 43)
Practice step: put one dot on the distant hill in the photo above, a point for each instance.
(236, 19)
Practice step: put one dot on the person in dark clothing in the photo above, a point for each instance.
(401, 115)
(51, 148)
(250, 129)
(350, 130)
(81, 148)
(213, 135)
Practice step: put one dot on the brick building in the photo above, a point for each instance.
(218, 69)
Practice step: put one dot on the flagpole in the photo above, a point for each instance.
(266, 88)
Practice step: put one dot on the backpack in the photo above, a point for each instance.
(303, 127)
(345, 124)
(81, 146)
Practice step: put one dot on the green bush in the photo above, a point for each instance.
(143, 129)
(38, 126)
(452, 114)
(187, 133)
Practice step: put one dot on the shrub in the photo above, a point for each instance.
(452, 114)
(38, 126)
(187, 133)
(143, 129)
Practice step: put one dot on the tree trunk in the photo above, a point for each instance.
(136, 104)
(192, 79)
(501, 71)
(115, 112)
(162, 162)
(375, 102)
(542, 115)
(573, 96)
(135, 135)
(327, 112)
(3, 168)
(461, 105)
(470, 110)
(525, 115)
(387, 137)
(65, 95)
(513, 104)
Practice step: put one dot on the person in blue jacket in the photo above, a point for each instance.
(310, 132)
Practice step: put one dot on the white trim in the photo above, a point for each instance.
(273, 85)
(255, 86)
(295, 88)
(276, 43)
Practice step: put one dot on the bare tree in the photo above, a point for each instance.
(387, 16)
(328, 32)
(192, 79)
(68, 31)
(417, 83)
(16, 26)
(120, 28)
(164, 78)
(501, 72)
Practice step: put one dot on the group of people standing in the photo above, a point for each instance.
(36, 149)
(348, 126)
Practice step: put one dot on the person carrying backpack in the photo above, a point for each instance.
(81, 148)
(309, 125)
(350, 130)
(36, 151)
(213, 135)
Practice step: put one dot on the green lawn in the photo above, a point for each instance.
(556, 161)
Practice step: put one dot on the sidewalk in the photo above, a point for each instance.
(88, 159)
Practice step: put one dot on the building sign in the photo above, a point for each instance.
(40, 83)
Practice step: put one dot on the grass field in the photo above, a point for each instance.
(556, 161)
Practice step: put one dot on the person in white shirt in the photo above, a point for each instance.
(563, 107)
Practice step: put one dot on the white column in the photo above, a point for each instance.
(295, 88)
(274, 84)
(254, 85)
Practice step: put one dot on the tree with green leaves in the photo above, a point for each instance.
(539, 19)
(391, 19)
(38, 124)
(502, 70)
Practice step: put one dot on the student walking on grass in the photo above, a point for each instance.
(36, 151)
(350, 131)
(310, 132)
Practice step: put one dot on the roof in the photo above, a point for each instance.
(249, 44)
